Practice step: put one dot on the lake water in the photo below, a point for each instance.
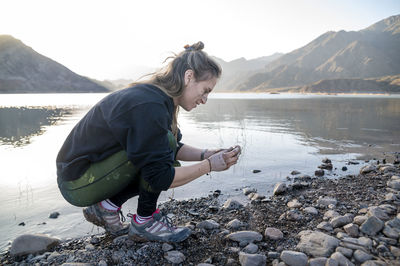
(278, 133)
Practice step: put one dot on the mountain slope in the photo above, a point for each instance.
(371, 52)
(23, 70)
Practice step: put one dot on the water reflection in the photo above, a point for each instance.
(330, 123)
(19, 124)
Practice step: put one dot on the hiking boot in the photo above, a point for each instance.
(158, 228)
(109, 220)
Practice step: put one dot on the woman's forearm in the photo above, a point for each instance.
(189, 153)
(186, 174)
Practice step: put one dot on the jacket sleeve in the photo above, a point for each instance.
(143, 133)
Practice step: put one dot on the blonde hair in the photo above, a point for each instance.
(171, 78)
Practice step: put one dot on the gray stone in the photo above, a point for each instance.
(232, 204)
(294, 258)
(257, 196)
(76, 264)
(378, 212)
(341, 235)
(331, 262)
(118, 256)
(330, 214)
(251, 248)
(205, 264)
(167, 247)
(325, 201)
(54, 215)
(316, 243)
(351, 229)
(395, 177)
(341, 259)
(175, 257)
(395, 251)
(321, 261)
(89, 247)
(234, 224)
(387, 168)
(311, 210)
(371, 226)
(325, 226)
(367, 169)
(394, 224)
(245, 236)
(273, 233)
(341, 220)
(361, 256)
(395, 184)
(248, 190)
(360, 219)
(102, 263)
(390, 232)
(32, 244)
(294, 204)
(345, 251)
(208, 224)
(391, 197)
(374, 263)
(252, 259)
(279, 188)
(292, 215)
(295, 172)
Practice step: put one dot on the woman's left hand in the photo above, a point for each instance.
(210, 152)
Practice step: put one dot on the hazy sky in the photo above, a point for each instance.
(109, 39)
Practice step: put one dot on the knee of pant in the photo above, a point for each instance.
(149, 187)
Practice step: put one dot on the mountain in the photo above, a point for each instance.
(235, 71)
(371, 52)
(23, 70)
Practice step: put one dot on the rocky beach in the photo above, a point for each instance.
(308, 220)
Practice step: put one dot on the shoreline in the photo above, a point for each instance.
(213, 224)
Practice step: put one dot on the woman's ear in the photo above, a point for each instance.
(188, 76)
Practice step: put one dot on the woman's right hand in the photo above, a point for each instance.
(224, 159)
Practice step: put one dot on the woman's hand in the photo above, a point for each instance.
(223, 159)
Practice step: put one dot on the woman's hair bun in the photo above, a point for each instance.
(198, 46)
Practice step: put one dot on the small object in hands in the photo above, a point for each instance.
(256, 171)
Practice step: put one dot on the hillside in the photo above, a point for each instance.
(372, 52)
(234, 72)
(23, 70)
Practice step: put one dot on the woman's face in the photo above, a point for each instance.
(195, 93)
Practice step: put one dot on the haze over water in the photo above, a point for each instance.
(278, 134)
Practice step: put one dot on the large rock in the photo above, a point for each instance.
(252, 259)
(341, 259)
(32, 244)
(317, 244)
(371, 226)
(245, 236)
(340, 221)
(293, 258)
(378, 212)
(279, 188)
(232, 204)
(273, 233)
(367, 169)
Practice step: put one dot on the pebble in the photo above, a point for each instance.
(175, 257)
(378, 212)
(251, 248)
(167, 247)
(330, 214)
(245, 236)
(279, 188)
(345, 251)
(325, 201)
(295, 172)
(311, 210)
(246, 259)
(208, 224)
(361, 256)
(331, 262)
(234, 224)
(273, 233)
(294, 258)
(316, 243)
(341, 259)
(360, 219)
(247, 190)
(319, 172)
(326, 226)
(232, 204)
(367, 169)
(351, 229)
(294, 204)
(340, 221)
(54, 215)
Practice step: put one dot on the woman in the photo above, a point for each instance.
(127, 144)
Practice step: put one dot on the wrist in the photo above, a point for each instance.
(209, 165)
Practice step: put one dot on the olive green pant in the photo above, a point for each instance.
(105, 179)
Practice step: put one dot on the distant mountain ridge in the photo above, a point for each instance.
(23, 70)
(372, 52)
